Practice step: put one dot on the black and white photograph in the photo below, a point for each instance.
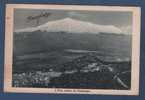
(72, 49)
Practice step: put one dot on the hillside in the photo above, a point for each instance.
(45, 41)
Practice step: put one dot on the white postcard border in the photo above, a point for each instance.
(9, 50)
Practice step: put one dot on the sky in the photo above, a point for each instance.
(121, 20)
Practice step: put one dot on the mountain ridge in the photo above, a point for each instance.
(72, 26)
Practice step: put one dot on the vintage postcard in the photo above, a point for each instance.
(72, 49)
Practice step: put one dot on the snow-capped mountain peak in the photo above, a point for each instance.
(73, 26)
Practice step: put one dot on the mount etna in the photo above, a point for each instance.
(70, 53)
